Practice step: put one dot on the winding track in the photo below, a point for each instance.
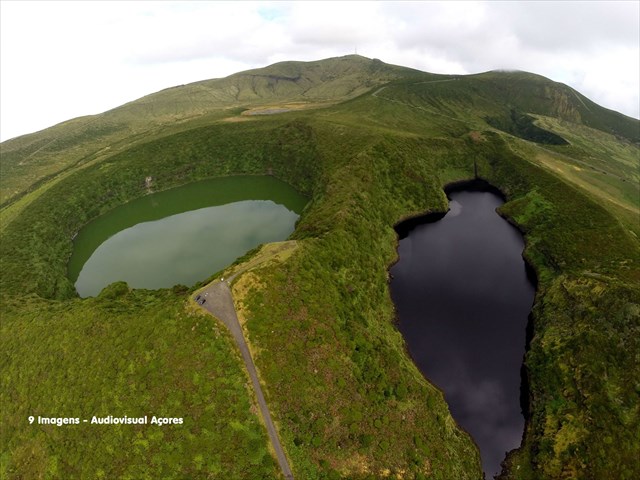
(220, 304)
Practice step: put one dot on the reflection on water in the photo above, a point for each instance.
(455, 208)
(462, 298)
(182, 235)
(184, 248)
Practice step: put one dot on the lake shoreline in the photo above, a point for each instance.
(407, 224)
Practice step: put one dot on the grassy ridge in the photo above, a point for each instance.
(357, 407)
(583, 416)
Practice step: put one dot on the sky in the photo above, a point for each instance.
(60, 60)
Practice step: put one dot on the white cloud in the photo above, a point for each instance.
(65, 59)
(340, 25)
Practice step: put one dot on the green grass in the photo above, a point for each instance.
(348, 401)
(603, 167)
(134, 354)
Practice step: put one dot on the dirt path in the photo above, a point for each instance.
(219, 302)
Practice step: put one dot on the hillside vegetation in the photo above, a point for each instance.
(374, 144)
(29, 159)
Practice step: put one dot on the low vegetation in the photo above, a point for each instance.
(523, 126)
(137, 353)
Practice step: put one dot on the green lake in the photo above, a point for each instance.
(182, 235)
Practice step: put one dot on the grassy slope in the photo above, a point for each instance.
(601, 164)
(367, 163)
(131, 354)
(30, 159)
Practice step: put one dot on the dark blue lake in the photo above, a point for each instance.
(463, 297)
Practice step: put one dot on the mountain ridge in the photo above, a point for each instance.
(43, 154)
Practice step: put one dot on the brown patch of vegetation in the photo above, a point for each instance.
(476, 136)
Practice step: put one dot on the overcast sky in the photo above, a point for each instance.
(60, 60)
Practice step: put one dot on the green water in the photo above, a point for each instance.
(182, 235)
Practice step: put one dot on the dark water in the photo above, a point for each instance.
(463, 297)
(182, 235)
